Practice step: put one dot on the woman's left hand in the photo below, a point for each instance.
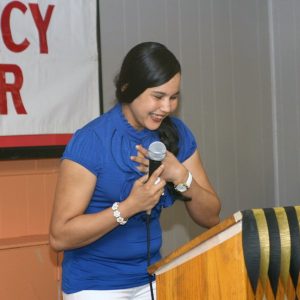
(204, 207)
(142, 159)
(174, 171)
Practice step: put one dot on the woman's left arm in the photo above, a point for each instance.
(204, 206)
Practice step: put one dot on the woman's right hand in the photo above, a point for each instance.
(145, 192)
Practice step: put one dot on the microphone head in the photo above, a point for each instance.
(157, 151)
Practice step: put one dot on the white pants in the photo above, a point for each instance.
(138, 293)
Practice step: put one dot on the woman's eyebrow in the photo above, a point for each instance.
(163, 94)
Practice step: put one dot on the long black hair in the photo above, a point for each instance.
(147, 65)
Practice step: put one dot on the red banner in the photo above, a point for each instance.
(48, 70)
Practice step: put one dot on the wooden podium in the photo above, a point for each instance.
(236, 260)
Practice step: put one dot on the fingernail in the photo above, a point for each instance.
(157, 180)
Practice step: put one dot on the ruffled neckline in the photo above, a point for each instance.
(127, 128)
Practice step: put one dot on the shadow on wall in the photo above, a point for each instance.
(178, 228)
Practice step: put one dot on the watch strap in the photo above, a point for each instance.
(182, 187)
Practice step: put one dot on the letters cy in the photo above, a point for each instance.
(42, 25)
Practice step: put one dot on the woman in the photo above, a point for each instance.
(103, 190)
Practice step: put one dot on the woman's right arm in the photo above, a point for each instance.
(70, 227)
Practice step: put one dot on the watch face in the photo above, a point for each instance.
(181, 188)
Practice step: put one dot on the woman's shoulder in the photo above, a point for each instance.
(86, 143)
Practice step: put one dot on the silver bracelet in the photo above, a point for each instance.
(117, 214)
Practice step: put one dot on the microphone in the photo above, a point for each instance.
(156, 152)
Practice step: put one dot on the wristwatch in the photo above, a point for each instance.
(183, 187)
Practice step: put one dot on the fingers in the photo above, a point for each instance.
(147, 191)
(143, 163)
(141, 159)
(143, 179)
(142, 150)
(154, 178)
(157, 180)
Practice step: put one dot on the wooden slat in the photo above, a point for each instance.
(195, 242)
(219, 273)
(24, 241)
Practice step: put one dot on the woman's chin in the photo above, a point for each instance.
(153, 125)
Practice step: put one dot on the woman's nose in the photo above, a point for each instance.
(166, 105)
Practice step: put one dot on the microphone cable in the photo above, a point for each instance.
(148, 219)
(156, 152)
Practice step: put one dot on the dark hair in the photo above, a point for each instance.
(147, 65)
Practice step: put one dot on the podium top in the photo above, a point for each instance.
(235, 219)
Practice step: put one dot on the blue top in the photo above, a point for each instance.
(117, 260)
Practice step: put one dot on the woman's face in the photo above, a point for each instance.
(150, 108)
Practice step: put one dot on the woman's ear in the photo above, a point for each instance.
(124, 87)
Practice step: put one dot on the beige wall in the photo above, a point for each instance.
(285, 53)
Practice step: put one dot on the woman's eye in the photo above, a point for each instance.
(157, 97)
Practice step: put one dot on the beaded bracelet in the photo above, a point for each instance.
(117, 214)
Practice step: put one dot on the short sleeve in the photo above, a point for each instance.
(187, 142)
(85, 149)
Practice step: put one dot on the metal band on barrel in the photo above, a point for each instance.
(291, 213)
(275, 249)
(251, 247)
(264, 241)
(285, 244)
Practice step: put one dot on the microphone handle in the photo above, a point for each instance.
(153, 165)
